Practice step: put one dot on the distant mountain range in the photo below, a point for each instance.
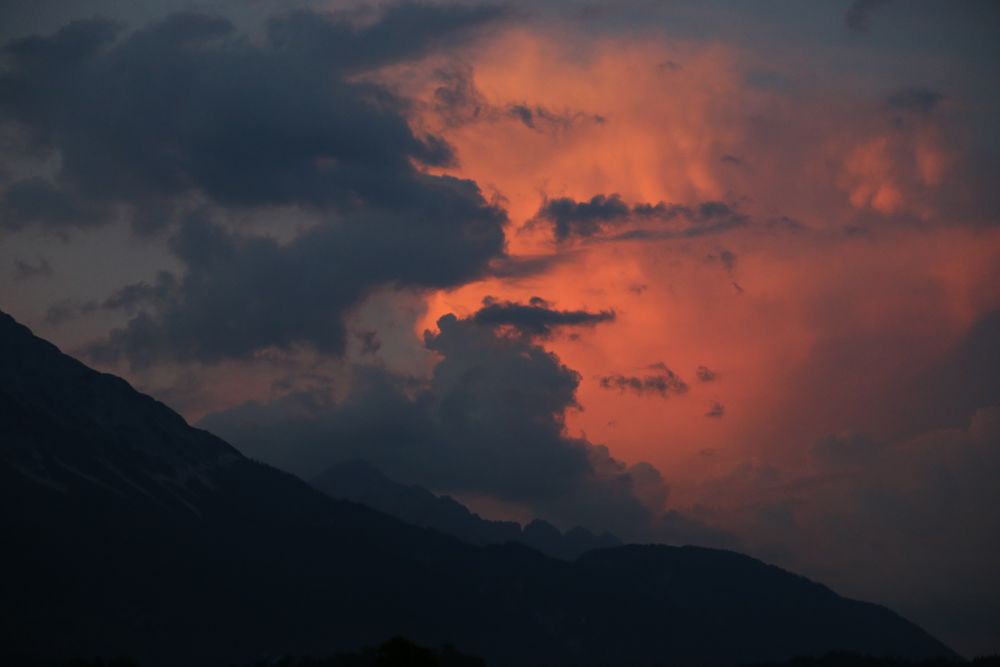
(127, 532)
(363, 483)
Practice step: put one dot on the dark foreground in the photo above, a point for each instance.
(400, 652)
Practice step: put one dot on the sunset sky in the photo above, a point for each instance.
(722, 273)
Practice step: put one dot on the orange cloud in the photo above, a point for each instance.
(817, 315)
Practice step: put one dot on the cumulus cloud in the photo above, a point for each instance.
(188, 106)
(186, 123)
(242, 293)
(491, 420)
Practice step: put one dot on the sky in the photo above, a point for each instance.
(719, 273)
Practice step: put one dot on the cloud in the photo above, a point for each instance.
(458, 101)
(663, 382)
(569, 218)
(243, 293)
(536, 318)
(491, 420)
(188, 107)
(185, 125)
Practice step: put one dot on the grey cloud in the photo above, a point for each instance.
(489, 421)
(189, 107)
(182, 124)
(603, 213)
(243, 293)
(537, 318)
(663, 382)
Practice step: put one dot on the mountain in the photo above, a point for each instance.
(127, 532)
(363, 483)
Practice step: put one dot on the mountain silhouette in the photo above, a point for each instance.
(128, 532)
(363, 483)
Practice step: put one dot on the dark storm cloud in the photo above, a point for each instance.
(489, 421)
(188, 106)
(570, 218)
(185, 121)
(404, 31)
(663, 382)
(859, 13)
(536, 318)
(243, 293)
(914, 99)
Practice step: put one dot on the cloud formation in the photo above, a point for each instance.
(663, 382)
(569, 218)
(537, 317)
(185, 123)
(491, 421)
(243, 293)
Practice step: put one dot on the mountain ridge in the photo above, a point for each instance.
(131, 532)
(362, 482)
